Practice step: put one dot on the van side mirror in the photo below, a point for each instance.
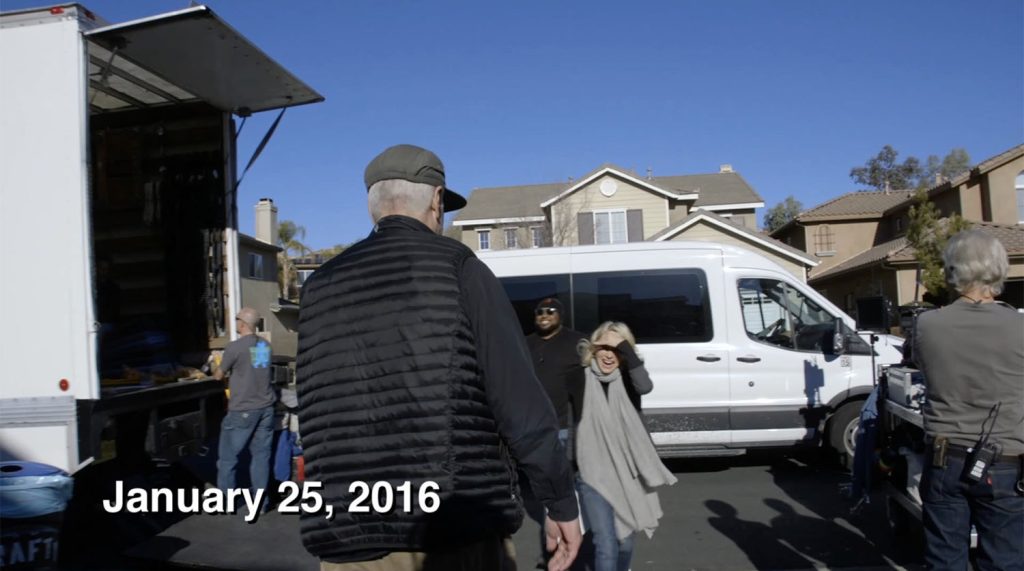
(839, 340)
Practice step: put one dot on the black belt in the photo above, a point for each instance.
(961, 452)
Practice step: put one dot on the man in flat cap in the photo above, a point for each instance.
(415, 383)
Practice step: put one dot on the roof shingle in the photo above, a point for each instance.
(521, 201)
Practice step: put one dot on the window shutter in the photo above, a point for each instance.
(635, 225)
(585, 227)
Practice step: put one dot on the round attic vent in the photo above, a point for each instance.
(608, 187)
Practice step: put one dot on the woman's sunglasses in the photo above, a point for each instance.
(597, 348)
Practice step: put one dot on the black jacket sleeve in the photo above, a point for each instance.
(637, 372)
(525, 417)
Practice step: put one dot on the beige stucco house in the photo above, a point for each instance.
(613, 205)
(860, 237)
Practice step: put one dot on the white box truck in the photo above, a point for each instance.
(119, 225)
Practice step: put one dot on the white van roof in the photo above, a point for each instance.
(740, 256)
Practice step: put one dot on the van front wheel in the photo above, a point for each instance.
(842, 431)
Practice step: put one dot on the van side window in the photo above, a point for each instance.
(526, 292)
(660, 306)
(776, 313)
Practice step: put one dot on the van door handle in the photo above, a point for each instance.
(709, 358)
(748, 359)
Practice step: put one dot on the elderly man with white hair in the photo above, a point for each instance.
(414, 379)
(972, 356)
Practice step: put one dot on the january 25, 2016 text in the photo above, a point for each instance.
(305, 497)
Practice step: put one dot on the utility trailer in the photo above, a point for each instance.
(119, 226)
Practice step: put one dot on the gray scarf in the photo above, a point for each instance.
(616, 456)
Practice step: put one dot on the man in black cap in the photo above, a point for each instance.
(555, 359)
(414, 382)
(557, 364)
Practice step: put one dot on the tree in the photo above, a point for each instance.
(289, 238)
(928, 234)
(780, 214)
(949, 167)
(883, 172)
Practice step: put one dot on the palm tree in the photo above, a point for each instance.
(289, 238)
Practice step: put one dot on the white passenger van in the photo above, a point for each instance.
(742, 354)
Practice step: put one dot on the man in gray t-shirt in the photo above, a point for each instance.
(250, 416)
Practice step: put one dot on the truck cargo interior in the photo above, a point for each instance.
(158, 214)
(162, 92)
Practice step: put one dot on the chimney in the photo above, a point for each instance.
(939, 179)
(725, 168)
(650, 173)
(266, 221)
(887, 188)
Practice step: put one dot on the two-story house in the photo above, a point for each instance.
(259, 286)
(860, 237)
(612, 205)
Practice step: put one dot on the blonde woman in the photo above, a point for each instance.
(618, 465)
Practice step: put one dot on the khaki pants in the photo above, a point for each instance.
(496, 554)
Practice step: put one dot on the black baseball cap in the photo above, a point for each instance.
(550, 302)
(414, 164)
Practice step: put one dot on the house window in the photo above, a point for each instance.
(483, 239)
(538, 236)
(824, 240)
(255, 266)
(1020, 197)
(899, 225)
(610, 227)
(303, 275)
(511, 238)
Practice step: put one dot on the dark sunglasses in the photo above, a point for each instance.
(545, 311)
(605, 348)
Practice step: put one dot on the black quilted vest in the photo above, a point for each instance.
(390, 391)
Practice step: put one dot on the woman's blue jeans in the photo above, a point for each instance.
(952, 505)
(610, 554)
(252, 428)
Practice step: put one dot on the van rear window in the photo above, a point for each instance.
(659, 306)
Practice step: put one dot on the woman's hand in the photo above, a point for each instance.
(611, 339)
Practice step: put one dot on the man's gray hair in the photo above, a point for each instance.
(250, 316)
(399, 196)
(974, 258)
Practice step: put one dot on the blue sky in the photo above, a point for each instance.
(791, 93)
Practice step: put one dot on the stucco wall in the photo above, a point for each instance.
(269, 261)
(707, 233)
(259, 294)
(1003, 192)
(745, 218)
(677, 211)
(794, 236)
(949, 202)
(589, 199)
(848, 240)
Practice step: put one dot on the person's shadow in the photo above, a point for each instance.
(757, 540)
(821, 539)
